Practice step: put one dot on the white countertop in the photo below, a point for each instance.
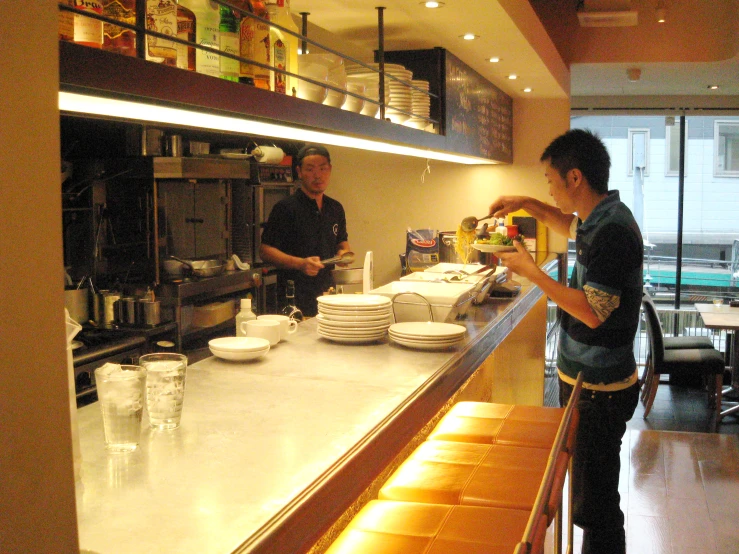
(260, 439)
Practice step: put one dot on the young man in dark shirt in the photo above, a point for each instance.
(600, 319)
(305, 228)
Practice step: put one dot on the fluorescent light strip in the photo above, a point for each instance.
(124, 109)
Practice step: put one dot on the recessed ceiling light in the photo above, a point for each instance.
(713, 87)
(494, 59)
(469, 36)
(433, 4)
(512, 76)
(527, 89)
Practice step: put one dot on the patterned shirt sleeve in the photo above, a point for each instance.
(601, 302)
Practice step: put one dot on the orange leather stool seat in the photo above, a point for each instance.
(385, 527)
(441, 472)
(504, 424)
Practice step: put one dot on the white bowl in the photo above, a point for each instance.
(315, 71)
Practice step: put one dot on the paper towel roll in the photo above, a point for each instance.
(268, 154)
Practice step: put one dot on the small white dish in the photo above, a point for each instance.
(238, 356)
(239, 344)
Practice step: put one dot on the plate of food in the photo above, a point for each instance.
(496, 243)
(482, 247)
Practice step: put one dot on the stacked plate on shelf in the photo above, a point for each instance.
(397, 95)
(420, 106)
(239, 348)
(426, 335)
(354, 318)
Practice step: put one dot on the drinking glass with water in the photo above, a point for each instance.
(165, 388)
(121, 394)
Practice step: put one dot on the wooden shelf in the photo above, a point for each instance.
(97, 72)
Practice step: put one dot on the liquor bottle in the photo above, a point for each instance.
(119, 39)
(284, 49)
(185, 31)
(244, 315)
(85, 30)
(66, 24)
(229, 42)
(207, 21)
(290, 309)
(254, 45)
(161, 16)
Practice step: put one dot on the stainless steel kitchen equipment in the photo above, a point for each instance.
(252, 203)
(448, 253)
(203, 268)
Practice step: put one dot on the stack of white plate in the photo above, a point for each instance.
(239, 348)
(420, 106)
(426, 335)
(353, 318)
(397, 95)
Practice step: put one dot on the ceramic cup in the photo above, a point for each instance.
(262, 328)
(287, 326)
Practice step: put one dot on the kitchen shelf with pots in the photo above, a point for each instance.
(101, 74)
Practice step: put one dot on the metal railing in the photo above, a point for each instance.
(687, 319)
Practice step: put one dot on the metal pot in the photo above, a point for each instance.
(148, 312)
(203, 268)
(104, 307)
(125, 310)
(77, 302)
(447, 252)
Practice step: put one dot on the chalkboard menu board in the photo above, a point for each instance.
(474, 115)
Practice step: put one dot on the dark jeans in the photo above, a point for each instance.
(596, 464)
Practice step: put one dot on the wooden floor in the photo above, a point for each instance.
(679, 483)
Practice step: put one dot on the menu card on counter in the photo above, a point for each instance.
(474, 115)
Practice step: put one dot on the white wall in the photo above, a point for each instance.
(383, 194)
(37, 503)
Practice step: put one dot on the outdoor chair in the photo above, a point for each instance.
(705, 361)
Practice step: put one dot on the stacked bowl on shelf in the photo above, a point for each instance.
(354, 318)
(360, 74)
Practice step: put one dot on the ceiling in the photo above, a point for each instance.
(542, 42)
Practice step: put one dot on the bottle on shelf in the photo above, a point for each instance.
(161, 16)
(185, 31)
(80, 28)
(119, 39)
(229, 42)
(207, 23)
(290, 309)
(254, 44)
(284, 48)
(244, 315)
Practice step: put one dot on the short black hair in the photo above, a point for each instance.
(580, 149)
(311, 150)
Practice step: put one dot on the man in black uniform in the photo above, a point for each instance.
(305, 228)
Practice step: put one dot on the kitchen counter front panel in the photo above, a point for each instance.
(270, 453)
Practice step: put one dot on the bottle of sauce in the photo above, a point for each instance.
(119, 39)
(243, 316)
(254, 44)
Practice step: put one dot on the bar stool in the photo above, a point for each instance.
(398, 527)
(503, 424)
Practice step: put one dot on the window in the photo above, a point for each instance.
(726, 149)
(672, 147)
(638, 150)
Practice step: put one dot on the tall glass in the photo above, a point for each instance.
(121, 395)
(165, 388)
